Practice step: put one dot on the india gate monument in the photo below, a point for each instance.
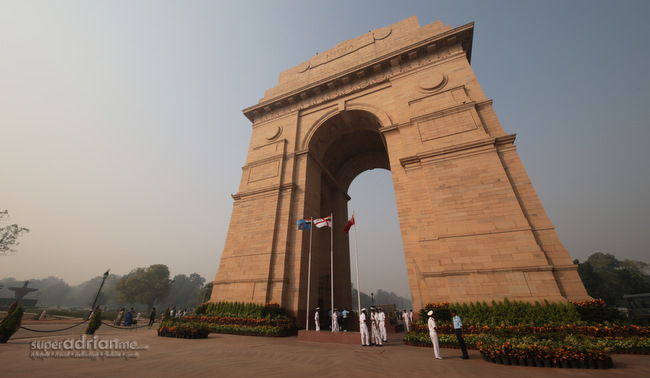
(402, 98)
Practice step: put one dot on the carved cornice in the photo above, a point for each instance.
(418, 158)
(266, 190)
(565, 268)
(473, 234)
(504, 140)
(370, 73)
(545, 268)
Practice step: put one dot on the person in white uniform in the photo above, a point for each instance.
(374, 319)
(433, 333)
(317, 319)
(382, 325)
(363, 328)
(335, 320)
(407, 321)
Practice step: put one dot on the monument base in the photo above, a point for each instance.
(330, 337)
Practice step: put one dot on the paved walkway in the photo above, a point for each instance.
(247, 356)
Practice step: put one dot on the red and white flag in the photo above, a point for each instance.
(322, 222)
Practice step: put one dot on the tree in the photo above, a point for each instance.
(52, 291)
(83, 294)
(145, 286)
(607, 278)
(185, 291)
(9, 235)
(380, 297)
(206, 292)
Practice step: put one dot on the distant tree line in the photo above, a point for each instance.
(142, 289)
(604, 276)
(607, 278)
(380, 297)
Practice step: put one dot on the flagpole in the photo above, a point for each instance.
(332, 263)
(309, 277)
(356, 256)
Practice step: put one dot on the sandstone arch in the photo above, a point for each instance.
(402, 98)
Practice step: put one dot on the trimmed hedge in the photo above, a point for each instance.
(233, 318)
(241, 310)
(518, 312)
(11, 322)
(596, 311)
(506, 313)
(95, 322)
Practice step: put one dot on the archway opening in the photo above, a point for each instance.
(382, 267)
(346, 146)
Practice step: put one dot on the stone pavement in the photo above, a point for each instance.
(247, 356)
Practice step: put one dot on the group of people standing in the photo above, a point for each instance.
(338, 319)
(377, 330)
(372, 328)
(122, 318)
(177, 313)
(128, 320)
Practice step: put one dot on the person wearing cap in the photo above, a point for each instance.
(382, 325)
(363, 328)
(458, 329)
(433, 333)
(317, 318)
(374, 319)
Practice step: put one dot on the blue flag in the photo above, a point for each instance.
(304, 224)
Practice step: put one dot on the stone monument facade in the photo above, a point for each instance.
(402, 98)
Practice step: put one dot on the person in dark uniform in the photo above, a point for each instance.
(458, 328)
(152, 317)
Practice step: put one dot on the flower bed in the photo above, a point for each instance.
(200, 330)
(242, 321)
(444, 340)
(267, 331)
(250, 319)
(549, 335)
(182, 330)
(247, 326)
(572, 352)
(619, 339)
(628, 345)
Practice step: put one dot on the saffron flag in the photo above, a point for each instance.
(322, 222)
(349, 224)
(304, 224)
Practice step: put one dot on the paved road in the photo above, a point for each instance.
(247, 356)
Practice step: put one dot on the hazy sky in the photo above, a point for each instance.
(122, 136)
